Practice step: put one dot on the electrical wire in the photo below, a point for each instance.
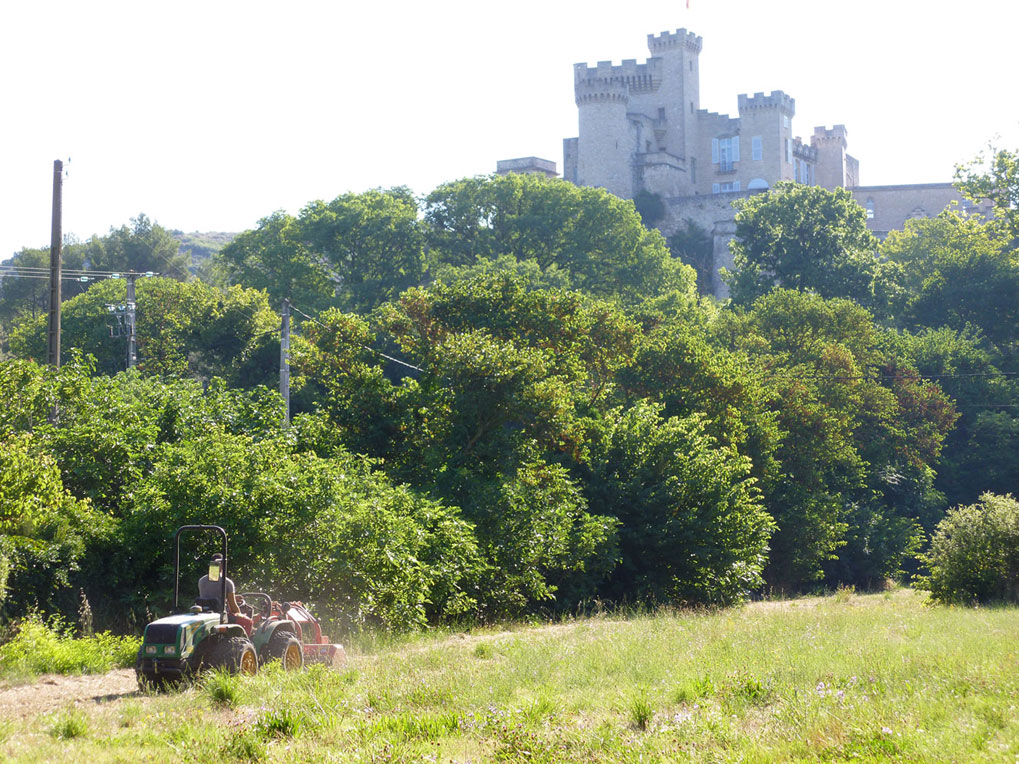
(363, 347)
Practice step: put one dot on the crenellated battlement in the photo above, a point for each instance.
(636, 78)
(598, 90)
(777, 99)
(667, 41)
(824, 136)
(715, 123)
(805, 151)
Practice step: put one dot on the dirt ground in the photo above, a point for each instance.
(50, 693)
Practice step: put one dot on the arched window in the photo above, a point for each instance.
(870, 208)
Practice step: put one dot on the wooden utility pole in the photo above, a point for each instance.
(56, 245)
(285, 360)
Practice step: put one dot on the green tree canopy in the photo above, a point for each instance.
(373, 244)
(802, 237)
(597, 238)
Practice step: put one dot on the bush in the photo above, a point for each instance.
(974, 554)
(692, 527)
(49, 648)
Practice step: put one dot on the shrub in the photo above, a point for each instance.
(39, 648)
(974, 554)
(693, 530)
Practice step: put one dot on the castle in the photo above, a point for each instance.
(642, 131)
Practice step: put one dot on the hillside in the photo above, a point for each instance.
(848, 677)
(201, 245)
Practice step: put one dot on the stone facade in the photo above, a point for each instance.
(641, 128)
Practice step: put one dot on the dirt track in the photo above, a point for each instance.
(49, 693)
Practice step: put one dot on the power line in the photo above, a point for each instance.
(363, 347)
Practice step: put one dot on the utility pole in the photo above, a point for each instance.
(285, 360)
(56, 245)
(129, 315)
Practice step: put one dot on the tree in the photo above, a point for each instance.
(952, 271)
(695, 247)
(183, 328)
(597, 238)
(143, 246)
(802, 237)
(994, 175)
(373, 243)
(276, 258)
(859, 429)
(692, 527)
(974, 554)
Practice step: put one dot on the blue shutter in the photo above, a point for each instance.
(735, 148)
(714, 151)
(714, 188)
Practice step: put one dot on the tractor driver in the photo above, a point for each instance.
(210, 587)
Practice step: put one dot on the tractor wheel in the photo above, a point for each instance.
(285, 648)
(236, 655)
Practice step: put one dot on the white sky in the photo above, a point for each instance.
(210, 115)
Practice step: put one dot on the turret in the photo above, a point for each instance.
(835, 168)
(604, 149)
(678, 99)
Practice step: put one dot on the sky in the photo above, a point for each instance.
(207, 116)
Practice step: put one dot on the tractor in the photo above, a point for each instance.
(202, 635)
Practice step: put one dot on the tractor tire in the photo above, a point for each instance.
(235, 654)
(285, 648)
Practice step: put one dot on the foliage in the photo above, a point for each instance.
(276, 258)
(28, 297)
(355, 544)
(44, 531)
(143, 246)
(50, 647)
(858, 427)
(597, 238)
(538, 537)
(372, 242)
(692, 528)
(183, 328)
(974, 553)
(934, 268)
(994, 175)
(802, 237)
(650, 207)
(695, 246)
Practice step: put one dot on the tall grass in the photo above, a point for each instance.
(845, 678)
(40, 647)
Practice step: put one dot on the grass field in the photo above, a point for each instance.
(843, 678)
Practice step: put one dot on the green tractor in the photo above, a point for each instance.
(203, 635)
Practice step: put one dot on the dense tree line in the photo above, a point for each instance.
(511, 398)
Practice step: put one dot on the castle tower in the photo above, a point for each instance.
(835, 168)
(676, 102)
(766, 137)
(604, 155)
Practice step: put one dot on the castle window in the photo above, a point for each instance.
(789, 150)
(785, 120)
(661, 113)
(725, 151)
(691, 65)
(691, 107)
(647, 146)
(755, 148)
(870, 208)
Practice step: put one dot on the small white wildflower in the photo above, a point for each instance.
(886, 731)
